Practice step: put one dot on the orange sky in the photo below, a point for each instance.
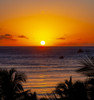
(58, 23)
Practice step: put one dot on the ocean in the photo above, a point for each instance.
(42, 65)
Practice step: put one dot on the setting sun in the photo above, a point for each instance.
(42, 42)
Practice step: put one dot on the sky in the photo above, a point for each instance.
(57, 22)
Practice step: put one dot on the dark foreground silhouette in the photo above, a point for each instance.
(11, 85)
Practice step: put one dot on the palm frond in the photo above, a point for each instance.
(87, 66)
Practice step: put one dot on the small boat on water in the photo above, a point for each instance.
(61, 57)
(80, 51)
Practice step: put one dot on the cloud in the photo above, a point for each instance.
(61, 38)
(7, 36)
(22, 36)
(11, 37)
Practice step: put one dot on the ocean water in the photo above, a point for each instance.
(42, 65)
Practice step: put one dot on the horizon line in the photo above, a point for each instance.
(47, 46)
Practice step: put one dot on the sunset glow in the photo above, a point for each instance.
(59, 23)
(46, 49)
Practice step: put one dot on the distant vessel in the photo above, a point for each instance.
(80, 51)
(61, 57)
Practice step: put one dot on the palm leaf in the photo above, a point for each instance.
(87, 66)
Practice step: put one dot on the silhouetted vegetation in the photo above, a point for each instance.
(87, 66)
(78, 90)
(11, 87)
(88, 70)
(71, 91)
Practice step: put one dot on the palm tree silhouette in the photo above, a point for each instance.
(26, 95)
(64, 90)
(72, 91)
(87, 66)
(90, 88)
(79, 91)
(88, 70)
(11, 83)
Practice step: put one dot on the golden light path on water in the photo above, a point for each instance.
(42, 65)
(45, 83)
(43, 80)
